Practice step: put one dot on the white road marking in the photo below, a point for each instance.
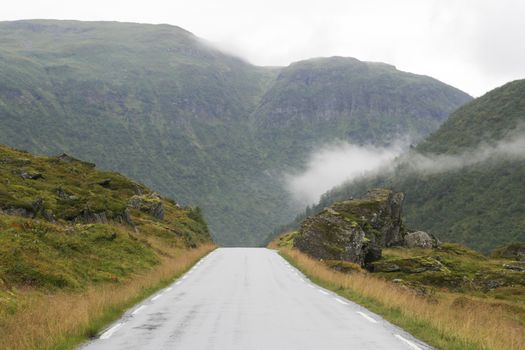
(367, 317)
(178, 283)
(341, 301)
(185, 276)
(156, 297)
(139, 309)
(322, 291)
(110, 331)
(408, 342)
(169, 289)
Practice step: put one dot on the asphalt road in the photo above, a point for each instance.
(249, 298)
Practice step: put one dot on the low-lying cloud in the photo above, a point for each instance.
(510, 148)
(343, 163)
(336, 164)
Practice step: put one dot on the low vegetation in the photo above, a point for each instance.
(64, 319)
(78, 246)
(444, 296)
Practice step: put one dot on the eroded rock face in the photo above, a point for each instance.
(354, 230)
(420, 239)
(103, 217)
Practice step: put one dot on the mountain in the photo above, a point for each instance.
(479, 203)
(165, 108)
(314, 102)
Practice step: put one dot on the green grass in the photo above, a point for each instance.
(113, 313)
(459, 270)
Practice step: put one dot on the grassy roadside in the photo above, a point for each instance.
(445, 321)
(79, 246)
(63, 320)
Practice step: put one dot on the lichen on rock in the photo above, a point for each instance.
(150, 203)
(421, 239)
(354, 230)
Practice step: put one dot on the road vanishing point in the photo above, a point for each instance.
(250, 298)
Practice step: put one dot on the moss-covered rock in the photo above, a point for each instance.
(354, 230)
(150, 203)
(420, 239)
(410, 265)
(453, 267)
(492, 279)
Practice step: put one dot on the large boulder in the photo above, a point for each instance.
(354, 230)
(420, 239)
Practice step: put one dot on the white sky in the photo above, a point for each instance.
(474, 45)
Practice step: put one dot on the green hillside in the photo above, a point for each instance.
(79, 246)
(317, 101)
(161, 106)
(480, 205)
(65, 224)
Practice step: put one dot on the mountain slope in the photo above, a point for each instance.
(153, 102)
(317, 101)
(161, 106)
(485, 120)
(481, 203)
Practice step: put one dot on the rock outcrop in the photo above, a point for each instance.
(354, 230)
(411, 265)
(149, 203)
(103, 217)
(420, 239)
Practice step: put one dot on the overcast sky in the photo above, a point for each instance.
(474, 45)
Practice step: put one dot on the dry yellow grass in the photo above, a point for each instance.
(65, 318)
(472, 325)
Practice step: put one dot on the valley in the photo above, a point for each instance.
(158, 192)
(163, 107)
